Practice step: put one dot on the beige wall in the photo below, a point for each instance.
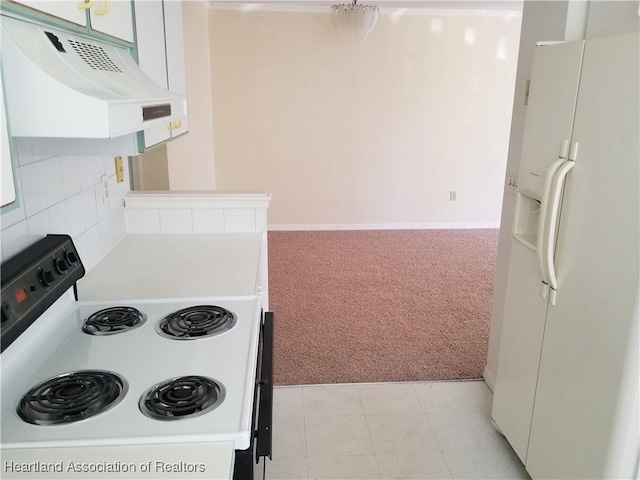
(153, 173)
(190, 157)
(346, 132)
(612, 18)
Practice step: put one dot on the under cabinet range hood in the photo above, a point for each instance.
(63, 85)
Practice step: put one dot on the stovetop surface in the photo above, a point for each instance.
(55, 344)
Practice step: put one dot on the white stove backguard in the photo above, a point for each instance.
(55, 344)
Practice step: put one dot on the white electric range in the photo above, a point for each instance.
(121, 377)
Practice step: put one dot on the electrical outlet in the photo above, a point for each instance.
(453, 195)
(105, 188)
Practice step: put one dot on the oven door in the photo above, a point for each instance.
(262, 406)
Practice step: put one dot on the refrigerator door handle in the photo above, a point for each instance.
(552, 220)
(543, 231)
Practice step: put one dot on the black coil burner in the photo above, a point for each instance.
(196, 322)
(181, 397)
(71, 397)
(113, 320)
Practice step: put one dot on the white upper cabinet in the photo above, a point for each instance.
(74, 12)
(112, 17)
(160, 45)
(176, 67)
(152, 57)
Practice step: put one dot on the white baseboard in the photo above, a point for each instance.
(489, 378)
(381, 226)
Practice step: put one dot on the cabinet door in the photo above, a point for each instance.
(176, 71)
(152, 57)
(160, 44)
(113, 17)
(64, 10)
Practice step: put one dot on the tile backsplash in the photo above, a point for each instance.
(78, 196)
(196, 220)
(196, 211)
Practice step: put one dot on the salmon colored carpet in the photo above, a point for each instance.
(379, 306)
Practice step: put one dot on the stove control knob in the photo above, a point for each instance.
(71, 258)
(61, 266)
(6, 312)
(46, 277)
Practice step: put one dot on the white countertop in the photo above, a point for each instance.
(206, 460)
(175, 266)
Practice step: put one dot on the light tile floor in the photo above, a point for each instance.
(421, 430)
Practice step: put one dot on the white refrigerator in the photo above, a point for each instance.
(566, 392)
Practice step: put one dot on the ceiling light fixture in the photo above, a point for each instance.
(356, 20)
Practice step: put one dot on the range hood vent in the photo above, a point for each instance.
(63, 85)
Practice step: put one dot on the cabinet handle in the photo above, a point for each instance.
(86, 5)
(105, 9)
(175, 125)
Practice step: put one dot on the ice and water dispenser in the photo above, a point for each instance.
(528, 201)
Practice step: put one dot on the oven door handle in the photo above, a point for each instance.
(265, 410)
